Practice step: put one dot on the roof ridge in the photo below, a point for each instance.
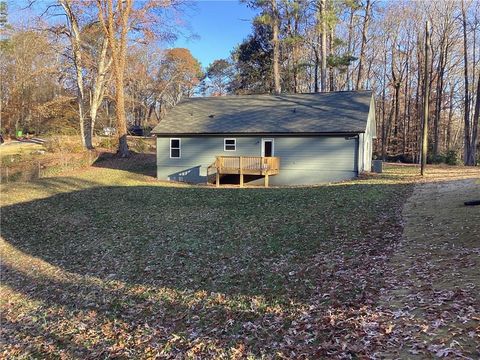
(230, 96)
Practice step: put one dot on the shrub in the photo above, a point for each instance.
(436, 159)
(399, 158)
(30, 169)
(451, 158)
(63, 144)
(53, 144)
(140, 146)
(10, 159)
(108, 142)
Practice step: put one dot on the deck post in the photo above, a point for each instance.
(240, 164)
(217, 182)
(266, 179)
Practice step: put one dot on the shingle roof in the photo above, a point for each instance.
(342, 112)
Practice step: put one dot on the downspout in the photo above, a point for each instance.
(362, 154)
(357, 158)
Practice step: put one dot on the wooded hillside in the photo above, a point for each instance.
(59, 75)
(329, 45)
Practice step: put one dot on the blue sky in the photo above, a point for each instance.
(220, 26)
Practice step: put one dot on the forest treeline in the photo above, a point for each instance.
(71, 75)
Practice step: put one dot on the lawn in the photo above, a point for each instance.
(111, 263)
(19, 148)
(26, 161)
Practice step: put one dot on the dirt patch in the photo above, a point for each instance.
(433, 291)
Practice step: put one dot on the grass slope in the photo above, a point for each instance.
(105, 263)
(19, 148)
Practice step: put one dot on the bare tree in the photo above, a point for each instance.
(466, 114)
(315, 43)
(323, 46)
(426, 98)
(88, 117)
(474, 142)
(74, 36)
(361, 59)
(115, 24)
(276, 47)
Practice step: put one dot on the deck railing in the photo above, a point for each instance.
(246, 165)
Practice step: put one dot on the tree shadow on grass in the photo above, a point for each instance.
(87, 319)
(27, 336)
(139, 163)
(84, 317)
(191, 260)
(239, 243)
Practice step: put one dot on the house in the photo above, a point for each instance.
(287, 139)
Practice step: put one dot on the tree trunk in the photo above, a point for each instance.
(121, 119)
(323, 27)
(473, 152)
(99, 85)
(396, 85)
(426, 97)
(331, 68)
(384, 103)
(388, 128)
(75, 41)
(363, 47)
(349, 45)
(295, 57)
(397, 117)
(466, 118)
(276, 48)
(405, 106)
(450, 118)
(317, 63)
(418, 95)
(384, 135)
(438, 100)
(116, 28)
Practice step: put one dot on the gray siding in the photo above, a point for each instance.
(303, 160)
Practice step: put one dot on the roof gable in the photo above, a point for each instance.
(343, 112)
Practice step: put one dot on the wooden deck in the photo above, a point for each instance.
(244, 165)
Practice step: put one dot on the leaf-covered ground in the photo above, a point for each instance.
(110, 263)
(433, 278)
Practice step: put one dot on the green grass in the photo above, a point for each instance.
(23, 149)
(107, 262)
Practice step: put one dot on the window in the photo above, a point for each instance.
(175, 148)
(229, 144)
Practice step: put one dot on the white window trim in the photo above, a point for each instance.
(225, 144)
(263, 146)
(179, 149)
